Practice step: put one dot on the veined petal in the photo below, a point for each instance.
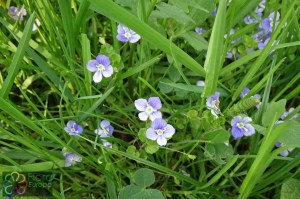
(92, 65)
(97, 77)
(235, 120)
(155, 115)
(140, 104)
(155, 102)
(169, 132)
(70, 124)
(104, 124)
(134, 38)
(250, 130)
(120, 29)
(103, 59)
(143, 116)
(161, 140)
(158, 124)
(108, 71)
(236, 132)
(122, 38)
(247, 120)
(151, 134)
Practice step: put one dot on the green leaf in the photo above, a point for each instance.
(165, 88)
(144, 177)
(213, 63)
(142, 135)
(17, 59)
(273, 108)
(219, 152)
(151, 147)
(131, 191)
(153, 193)
(174, 74)
(195, 40)
(217, 136)
(170, 11)
(291, 135)
(290, 189)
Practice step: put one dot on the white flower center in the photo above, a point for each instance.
(100, 67)
(106, 131)
(73, 129)
(159, 132)
(240, 125)
(127, 35)
(149, 109)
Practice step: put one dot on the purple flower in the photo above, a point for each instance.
(73, 129)
(268, 23)
(285, 152)
(212, 104)
(125, 34)
(241, 127)
(72, 159)
(105, 129)
(200, 30)
(160, 131)
(244, 92)
(149, 108)
(107, 144)
(101, 66)
(285, 114)
(200, 83)
(17, 13)
(214, 12)
(249, 20)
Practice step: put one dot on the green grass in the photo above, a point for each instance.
(44, 83)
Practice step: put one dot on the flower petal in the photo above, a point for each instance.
(134, 38)
(235, 120)
(158, 124)
(250, 130)
(97, 77)
(104, 124)
(103, 59)
(237, 132)
(151, 134)
(169, 132)
(155, 102)
(161, 140)
(108, 71)
(247, 119)
(122, 38)
(143, 116)
(92, 65)
(155, 115)
(120, 29)
(140, 104)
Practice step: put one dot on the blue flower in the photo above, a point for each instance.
(17, 13)
(160, 131)
(107, 144)
(125, 34)
(285, 152)
(72, 159)
(73, 129)
(241, 127)
(212, 104)
(105, 129)
(249, 20)
(149, 108)
(245, 92)
(285, 114)
(268, 23)
(201, 83)
(101, 66)
(200, 30)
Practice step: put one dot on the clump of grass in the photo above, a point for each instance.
(104, 93)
